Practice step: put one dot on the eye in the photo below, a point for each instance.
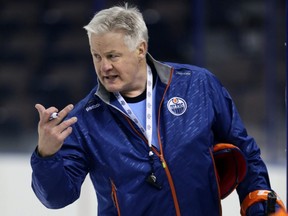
(96, 57)
(113, 57)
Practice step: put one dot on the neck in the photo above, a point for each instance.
(135, 99)
(139, 87)
(133, 93)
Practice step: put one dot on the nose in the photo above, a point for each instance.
(105, 65)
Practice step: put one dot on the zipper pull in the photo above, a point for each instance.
(163, 161)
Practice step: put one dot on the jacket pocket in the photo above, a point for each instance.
(114, 196)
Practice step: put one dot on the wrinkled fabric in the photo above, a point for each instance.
(105, 145)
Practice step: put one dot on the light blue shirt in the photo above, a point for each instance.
(139, 109)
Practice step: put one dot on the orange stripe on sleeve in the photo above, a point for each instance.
(258, 196)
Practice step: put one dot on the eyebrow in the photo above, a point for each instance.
(111, 51)
(106, 53)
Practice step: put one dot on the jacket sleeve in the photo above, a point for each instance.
(57, 180)
(228, 127)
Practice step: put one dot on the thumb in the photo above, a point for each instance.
(40, 108)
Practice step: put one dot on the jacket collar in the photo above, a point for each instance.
(163, 71)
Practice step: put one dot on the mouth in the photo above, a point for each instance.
(111, 77)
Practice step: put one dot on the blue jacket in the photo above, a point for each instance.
(194, 113)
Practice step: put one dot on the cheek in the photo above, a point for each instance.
(97, 72)
(97, 68)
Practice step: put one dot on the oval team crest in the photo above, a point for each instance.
(177, 106)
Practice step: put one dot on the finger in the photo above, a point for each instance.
(66, 133)
(66, 124)
(48, 112)
(63, 113)
(40, 109)
(44, 114)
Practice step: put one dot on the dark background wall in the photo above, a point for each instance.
(45, 58)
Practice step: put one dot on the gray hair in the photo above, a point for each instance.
(127, 19)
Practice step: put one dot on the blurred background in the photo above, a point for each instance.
(45, 59)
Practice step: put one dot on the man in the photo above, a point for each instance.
(146, 134)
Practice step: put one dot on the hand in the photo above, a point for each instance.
(51, 134)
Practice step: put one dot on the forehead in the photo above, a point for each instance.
(106, 41)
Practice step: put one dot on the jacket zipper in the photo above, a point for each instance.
(114, 197)
(171, 184)
(160, 155)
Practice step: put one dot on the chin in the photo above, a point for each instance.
(112, 89)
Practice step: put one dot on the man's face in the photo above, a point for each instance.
(118, 68)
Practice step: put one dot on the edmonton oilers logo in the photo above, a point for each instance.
(177, 106)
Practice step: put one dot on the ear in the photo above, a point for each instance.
(142, 50)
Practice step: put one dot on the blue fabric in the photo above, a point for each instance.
(257, 209)
(104, 144)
